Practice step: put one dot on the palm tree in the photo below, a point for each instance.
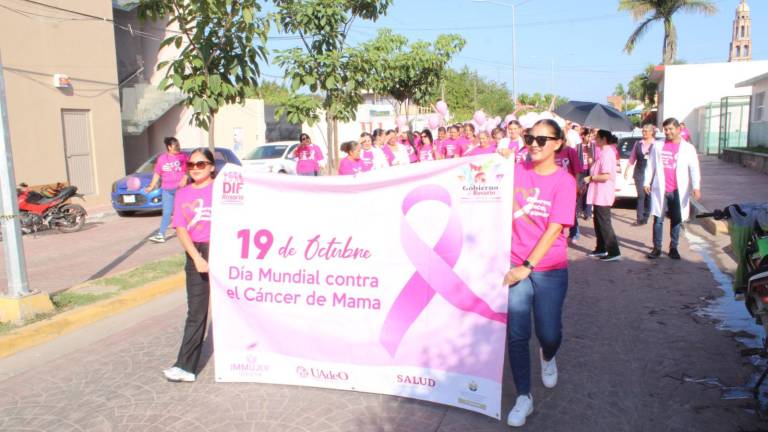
(661, 10)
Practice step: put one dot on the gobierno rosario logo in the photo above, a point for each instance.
(434, 272)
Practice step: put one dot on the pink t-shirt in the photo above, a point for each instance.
(521, 155)
(464, 144)
(451, 148)
(171, 169)
(192, 210)
(538, 201)
(568, 159)
(366, 158)
(603, 193)
(480, 150)
(307, 158)
(427, 153)
(669, 160)
(348, 166)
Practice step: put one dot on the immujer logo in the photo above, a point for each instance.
(232, 188)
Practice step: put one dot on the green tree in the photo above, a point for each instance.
(642, 88)
(649, 11)
(410, 72)
(466, 92)
(221, 43)
(272, 93)
(325, 63)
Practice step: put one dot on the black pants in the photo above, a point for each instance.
(606, 238)
(643, 202)
(198, 294)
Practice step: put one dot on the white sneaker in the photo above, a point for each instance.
(548, 371)
(177, 374)
(522, 409)
(157, 238)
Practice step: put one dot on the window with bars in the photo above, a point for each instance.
(759, 107)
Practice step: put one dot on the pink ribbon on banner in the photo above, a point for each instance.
(434, 273)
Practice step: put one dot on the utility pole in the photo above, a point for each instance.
(18, 303)
(15, 264)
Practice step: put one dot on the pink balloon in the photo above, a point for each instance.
(442, 107)
(133, 183)
(401, 120)
(509, 118)
(479, 117)
(434, 121)
(489, 127)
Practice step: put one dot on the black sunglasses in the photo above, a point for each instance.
(541, 140)
(198, 165)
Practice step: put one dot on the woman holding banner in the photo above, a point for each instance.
(544, 205)
(192, 220)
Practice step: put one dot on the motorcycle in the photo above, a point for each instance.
(748, 228)
(38, 211)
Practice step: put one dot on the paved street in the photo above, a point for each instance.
(632, 336)
(637, 354)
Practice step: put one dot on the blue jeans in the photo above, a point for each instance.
(670, 204)
(544, 294)
(167, 197)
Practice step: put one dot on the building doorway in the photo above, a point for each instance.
(76, 126)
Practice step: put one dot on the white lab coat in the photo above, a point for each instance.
(688, 177)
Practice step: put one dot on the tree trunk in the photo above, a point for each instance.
(331, 143)
(211, 134)
(670, 42)
(335, 146)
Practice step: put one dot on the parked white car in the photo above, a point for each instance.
(625, 188)
(274, 157)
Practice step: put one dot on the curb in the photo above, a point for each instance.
(714, 227)
(69, 321)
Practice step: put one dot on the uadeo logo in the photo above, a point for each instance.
(322, 374)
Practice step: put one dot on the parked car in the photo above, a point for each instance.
(127, 201)
(274, 157)
(626, 188)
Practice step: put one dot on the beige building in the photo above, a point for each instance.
(62, 94)
(83, 103)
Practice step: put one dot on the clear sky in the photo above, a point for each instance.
(582, 41)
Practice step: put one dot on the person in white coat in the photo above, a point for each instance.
(672, 176)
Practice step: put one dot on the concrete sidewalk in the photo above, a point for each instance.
(725, 183)
(108, 244)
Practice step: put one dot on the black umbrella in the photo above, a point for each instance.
(595, 115)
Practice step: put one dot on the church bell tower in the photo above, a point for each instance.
(741, 43)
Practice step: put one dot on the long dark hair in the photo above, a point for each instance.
(208, 155)
(428, 133)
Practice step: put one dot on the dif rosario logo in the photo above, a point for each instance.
(232, 189)
(480, 182)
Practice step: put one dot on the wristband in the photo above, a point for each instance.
(527, 264)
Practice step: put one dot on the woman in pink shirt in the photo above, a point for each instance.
(601, 193)
(192, 220)
(170, 171)
(483, 146)
(427, 149)
(350, 165)
(308, 157)
(513, 142)
(544, 205)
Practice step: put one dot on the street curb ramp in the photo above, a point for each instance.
(71, 320)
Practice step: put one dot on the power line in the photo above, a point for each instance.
(504, 26)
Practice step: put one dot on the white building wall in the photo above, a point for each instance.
(758, 129)
(688, 87)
